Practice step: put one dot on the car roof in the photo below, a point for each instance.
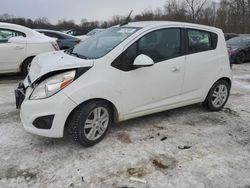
(149, 24)
(29, 32)
(57, 32)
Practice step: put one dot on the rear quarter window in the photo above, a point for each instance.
(200, 41)
(6, 34)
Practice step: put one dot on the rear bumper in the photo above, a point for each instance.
(233, 58)
(59, 105)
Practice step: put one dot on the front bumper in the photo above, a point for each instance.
(58, 105)
(19, 95)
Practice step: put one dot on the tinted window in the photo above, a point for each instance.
(53, 35)
(5, 35)
(199, 41)
(160, 45)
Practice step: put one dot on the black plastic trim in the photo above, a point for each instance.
(44, 122)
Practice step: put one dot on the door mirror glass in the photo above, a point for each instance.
(143, 61)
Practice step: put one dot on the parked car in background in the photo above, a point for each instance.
(90, 34)
(64, 41)
(76, 32)
(127, 71)
(239, 48)
(230, 35)
(19, 45)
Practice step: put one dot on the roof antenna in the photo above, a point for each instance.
(127, 19)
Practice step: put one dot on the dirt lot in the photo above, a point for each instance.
(186, 147)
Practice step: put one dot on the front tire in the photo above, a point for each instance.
(26, 65)
(217, 96)
(90, 122)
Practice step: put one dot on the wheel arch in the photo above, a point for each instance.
(27, 58)
(227, 79)
(113, 107)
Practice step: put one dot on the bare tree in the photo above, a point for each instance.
(176, 11)
(229, 15)
(195, 7)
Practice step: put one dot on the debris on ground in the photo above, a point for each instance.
(137, 180)
(184, 147)
(138, 172)
(124, 137)
(231, 112)
(164, 162)
(164, 138)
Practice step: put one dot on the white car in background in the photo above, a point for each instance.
(127, 71)
(90, 34)
(19, 45)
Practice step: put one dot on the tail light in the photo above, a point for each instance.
(55, 46)
(78, 41)
(229, 51)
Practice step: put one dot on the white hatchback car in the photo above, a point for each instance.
(125, 72)
(19, 45)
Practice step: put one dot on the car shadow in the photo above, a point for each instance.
(11, 78)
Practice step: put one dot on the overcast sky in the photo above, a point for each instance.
(55, 10)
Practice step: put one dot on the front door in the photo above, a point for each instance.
(150, 88)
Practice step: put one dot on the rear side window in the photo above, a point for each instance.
(198, 41)
(6, 34)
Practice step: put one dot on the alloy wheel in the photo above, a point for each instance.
(96, 123)
(220, 95)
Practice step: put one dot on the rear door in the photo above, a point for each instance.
(11, 53)
(202, 62)
(152, 88)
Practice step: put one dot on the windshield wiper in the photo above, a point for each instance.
(76, 54)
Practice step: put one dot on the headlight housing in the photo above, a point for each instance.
(52, 85)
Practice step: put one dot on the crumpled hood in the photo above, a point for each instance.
(54, 61)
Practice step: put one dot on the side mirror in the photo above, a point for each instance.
(143, 61)
(16, 39)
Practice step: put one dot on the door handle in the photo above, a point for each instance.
(175, 69)
(18, 47)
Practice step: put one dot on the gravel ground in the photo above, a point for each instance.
(185, 147)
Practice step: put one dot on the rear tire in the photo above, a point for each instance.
(26, 66)
(90, 122)
(240, 58)
(217, 96)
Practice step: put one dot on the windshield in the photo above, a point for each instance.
(94, 32)
(101, 44)
(238, 41)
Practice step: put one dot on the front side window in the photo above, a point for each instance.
(159, 45)
(101, 44)
(5, 35)
(198, 41)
